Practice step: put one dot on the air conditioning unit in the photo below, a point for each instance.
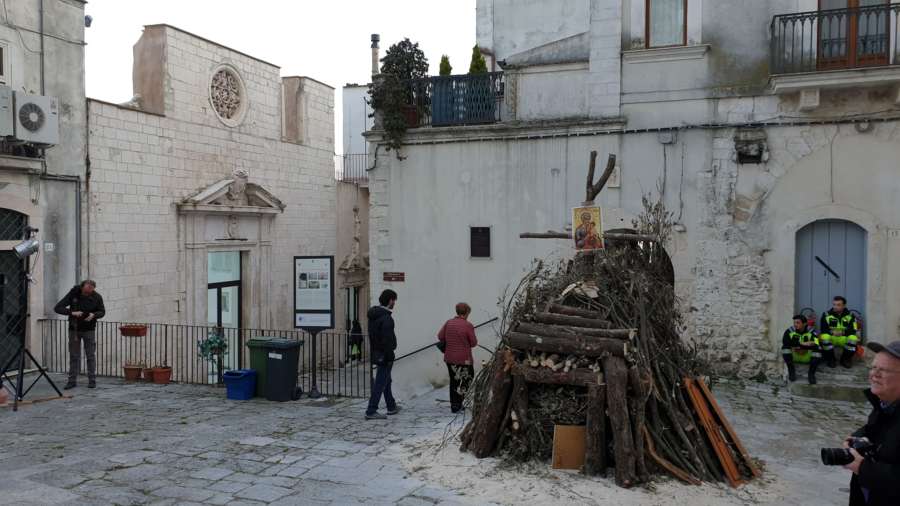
(7, 121)
(37, 119)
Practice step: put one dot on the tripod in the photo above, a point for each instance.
(17, 360)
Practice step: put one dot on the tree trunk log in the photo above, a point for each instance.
(577, 377)
(487, 426)
(519, 403)
(573, 321)
(581, 345)
(574, 311)
(595, 432)
(640, 386)
(568, 332)
(617, 407)
(568, 235)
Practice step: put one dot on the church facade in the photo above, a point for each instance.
(206, 185)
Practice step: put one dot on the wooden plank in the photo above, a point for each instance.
(486, 431)
(729, 430)
(28, 402)
(732, 474)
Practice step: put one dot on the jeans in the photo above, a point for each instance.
(460, 378)
(90, 349)
(381, 385)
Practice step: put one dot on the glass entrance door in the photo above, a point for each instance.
(853, 33)
(223, 304)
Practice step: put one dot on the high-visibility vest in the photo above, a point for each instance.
(840, 326)
(804, 338)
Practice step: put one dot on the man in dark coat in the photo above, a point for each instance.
(876, 476)
(84, 306)
(384, 342)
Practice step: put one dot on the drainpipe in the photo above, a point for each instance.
(41, 29)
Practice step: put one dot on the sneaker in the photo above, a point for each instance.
(92, 384)
(376, 416)
(394, 411)
(70, 385)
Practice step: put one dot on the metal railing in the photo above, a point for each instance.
(834, 39)
(456, 100)
(176, 346)
(354, 169)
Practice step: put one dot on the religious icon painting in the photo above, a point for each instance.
(587, 228)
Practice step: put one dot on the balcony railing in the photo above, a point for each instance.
(456, 100)
(354, 169)
(834, 39)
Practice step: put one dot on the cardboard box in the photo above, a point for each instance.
(568, 446)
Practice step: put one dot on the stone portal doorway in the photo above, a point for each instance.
(830, 260)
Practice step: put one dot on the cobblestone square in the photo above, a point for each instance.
(181, 444)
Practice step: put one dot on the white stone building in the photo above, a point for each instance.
(205, 186)
(772, 137)
(42, 163)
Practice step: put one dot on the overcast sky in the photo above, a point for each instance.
(328, 41)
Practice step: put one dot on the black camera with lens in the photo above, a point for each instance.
(842, 456)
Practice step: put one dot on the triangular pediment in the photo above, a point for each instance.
(233, 193)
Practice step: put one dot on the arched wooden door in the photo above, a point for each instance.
(831, 260)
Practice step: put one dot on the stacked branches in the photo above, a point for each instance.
(594, 341)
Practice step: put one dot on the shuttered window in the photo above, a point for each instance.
(480, 242)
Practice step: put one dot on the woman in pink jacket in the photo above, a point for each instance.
(458, 338)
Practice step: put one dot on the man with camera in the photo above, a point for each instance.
(84, 306)
(872, 453)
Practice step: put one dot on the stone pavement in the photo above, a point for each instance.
(183, 444)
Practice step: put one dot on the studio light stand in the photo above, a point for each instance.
(24, 250)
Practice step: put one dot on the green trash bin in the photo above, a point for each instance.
(258, 360)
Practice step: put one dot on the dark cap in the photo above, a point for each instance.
(893, 348)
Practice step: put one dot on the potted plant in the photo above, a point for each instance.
(133, 330)
(480, 102)
(400, 92)
(132, 370)
(213, 349)
(162, 374)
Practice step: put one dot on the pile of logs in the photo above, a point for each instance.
(619, 354)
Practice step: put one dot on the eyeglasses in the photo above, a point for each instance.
(880, 371)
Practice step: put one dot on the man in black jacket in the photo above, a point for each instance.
(875, 477)
(84, 306)
(384, 342)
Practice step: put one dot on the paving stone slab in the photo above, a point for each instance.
(264, 493)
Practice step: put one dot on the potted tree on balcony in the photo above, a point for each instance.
(400, 93)
(213, 349)
(479, 102)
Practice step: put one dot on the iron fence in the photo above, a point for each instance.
(456, 100)
(354, 169)
(331, 366)
(834, 39)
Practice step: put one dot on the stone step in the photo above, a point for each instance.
(838, 384)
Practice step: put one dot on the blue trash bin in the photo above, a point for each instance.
(240, 384)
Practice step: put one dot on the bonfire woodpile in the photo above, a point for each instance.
(595, 341)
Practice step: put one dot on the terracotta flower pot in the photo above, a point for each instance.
(411, 113)
(132, 372)
(162, 375)
(148, 374)
(133, 330)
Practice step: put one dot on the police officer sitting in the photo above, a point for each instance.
(839, 328)
(875, 476)
(800, 345)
